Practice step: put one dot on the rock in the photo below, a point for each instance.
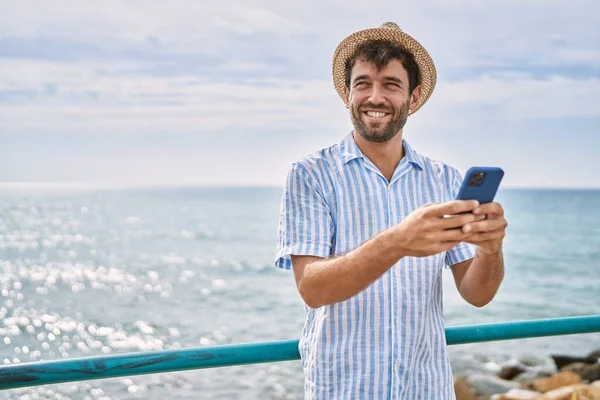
(517, 394)
(563, 393)
(562, 360)
(575, 367)
(527, 378)
(508, 372)
(577, 392)
(486, 386)
(589, 392)
(591, 373)
(595, 355)
(530, 361)
(596, 384)
(556, 381)
(463, 389)
(587, 372)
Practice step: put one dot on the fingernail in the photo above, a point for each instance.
(467, 228)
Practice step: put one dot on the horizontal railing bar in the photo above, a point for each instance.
(522, 329)
(139, 363)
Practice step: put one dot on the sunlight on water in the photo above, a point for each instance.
(104, 272)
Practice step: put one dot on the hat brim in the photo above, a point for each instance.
(347, 47)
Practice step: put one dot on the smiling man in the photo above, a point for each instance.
(364, 225)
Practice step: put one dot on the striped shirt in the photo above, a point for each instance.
(388, 341)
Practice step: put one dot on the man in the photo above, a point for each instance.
(367, 226)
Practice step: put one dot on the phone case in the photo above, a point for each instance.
(481, 184)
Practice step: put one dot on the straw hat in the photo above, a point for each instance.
(387, 31)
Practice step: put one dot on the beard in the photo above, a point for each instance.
(379, 132)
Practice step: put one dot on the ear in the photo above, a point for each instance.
(347, 96)
(415, 97)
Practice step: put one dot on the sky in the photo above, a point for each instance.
(178, 92)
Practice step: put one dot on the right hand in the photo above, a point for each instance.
(434, 228)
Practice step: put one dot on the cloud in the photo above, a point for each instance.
(90, 97)
(179, 25)
(253, 21)
(82, 97)
(459, 33)
(261, 69)
(521, 96)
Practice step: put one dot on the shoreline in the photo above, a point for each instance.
(572, 377)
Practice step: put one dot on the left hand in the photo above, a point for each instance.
(487, 234)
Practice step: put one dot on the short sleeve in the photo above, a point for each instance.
(305, 222)
(462, 251)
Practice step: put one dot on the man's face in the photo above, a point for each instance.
(379, 101)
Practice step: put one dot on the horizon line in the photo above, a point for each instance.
(182, 185)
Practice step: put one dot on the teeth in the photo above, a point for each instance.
(376, 114)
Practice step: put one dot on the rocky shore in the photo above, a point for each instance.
(573, 378)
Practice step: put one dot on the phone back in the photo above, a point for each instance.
(481, 184)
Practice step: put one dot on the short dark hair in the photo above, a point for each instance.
(381, 52)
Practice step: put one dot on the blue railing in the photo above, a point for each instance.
(139, 363)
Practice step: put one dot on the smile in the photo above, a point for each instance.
(376, 114)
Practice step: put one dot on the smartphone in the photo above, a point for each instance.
(481, 184)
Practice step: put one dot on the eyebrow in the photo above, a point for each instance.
(387, 78)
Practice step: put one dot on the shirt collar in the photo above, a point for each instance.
(349, 151)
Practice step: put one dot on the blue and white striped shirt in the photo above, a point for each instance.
(388, 341)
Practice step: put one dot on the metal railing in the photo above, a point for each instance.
(139, 363)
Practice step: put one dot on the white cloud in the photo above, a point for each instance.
(522, 96)
(254, 21)
(458, 33)
(85, 99)
(175, 23)
(147, 66)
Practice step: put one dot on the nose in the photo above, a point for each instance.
(376, 95)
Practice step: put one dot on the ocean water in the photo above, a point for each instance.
(101, 271)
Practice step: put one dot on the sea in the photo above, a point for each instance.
(88, 271)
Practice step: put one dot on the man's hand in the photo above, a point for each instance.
(434, 228)
(487, 234)
(430, 229)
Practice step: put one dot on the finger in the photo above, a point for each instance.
(484, 237)
(457, 221)
(486, 225)
(489, 208)
(453, 234)
(452, 207)
(490, 216)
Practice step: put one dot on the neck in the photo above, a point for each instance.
(385, 155)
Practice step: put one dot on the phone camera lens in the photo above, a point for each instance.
(476, 179)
